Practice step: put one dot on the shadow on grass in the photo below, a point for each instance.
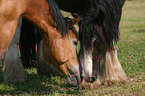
(36, 85)
(139, 31)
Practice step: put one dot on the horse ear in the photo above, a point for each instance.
(73, 22)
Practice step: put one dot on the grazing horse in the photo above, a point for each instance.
(46, 17)
(98, 35)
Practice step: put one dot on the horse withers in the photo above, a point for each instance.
(46, 17)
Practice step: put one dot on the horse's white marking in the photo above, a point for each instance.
(88, 64)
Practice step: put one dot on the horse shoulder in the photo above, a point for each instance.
(11, 9)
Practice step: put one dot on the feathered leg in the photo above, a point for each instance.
(112, 69)
(14, 70)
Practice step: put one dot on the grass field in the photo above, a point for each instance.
(131, 53)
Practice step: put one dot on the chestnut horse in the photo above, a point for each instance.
(46, 17)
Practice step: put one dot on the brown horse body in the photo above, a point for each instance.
(39, 14)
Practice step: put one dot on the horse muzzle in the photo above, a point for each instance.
(74, 79)
(90, 79)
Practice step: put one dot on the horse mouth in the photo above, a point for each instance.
(74, 79)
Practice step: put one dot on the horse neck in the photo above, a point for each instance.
(38, 13)
(73, 6)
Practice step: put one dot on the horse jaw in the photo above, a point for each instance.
(74, 71)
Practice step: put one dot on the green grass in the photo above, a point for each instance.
(131, 53)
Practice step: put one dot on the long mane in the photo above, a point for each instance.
(29, 38)
(100, 23)
(59, 19)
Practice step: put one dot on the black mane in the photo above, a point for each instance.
(59, 19)
(27, 44)
(100, 23)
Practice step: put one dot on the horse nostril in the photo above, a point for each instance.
(92, 79)
(74, 79)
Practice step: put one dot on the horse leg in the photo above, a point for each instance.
(112, 70)
(7, 31)
(14, 70)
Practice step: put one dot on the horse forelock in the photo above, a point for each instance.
(100, 23)
(59, 19)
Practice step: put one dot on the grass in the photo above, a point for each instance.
(131, 53)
